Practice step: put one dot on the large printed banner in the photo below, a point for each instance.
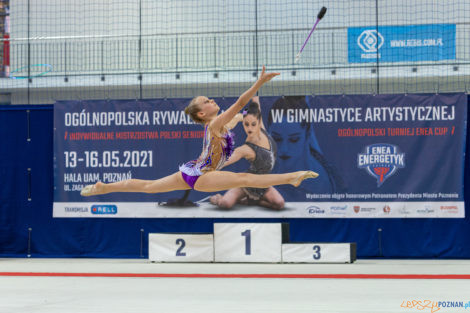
(378, 156)
(432, 42)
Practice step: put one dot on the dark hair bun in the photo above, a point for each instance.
(253, 108)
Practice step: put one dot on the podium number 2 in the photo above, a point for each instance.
(182, 244)
(317, 254)
(247, 234)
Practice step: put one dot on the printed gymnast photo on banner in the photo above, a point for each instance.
(377, 156)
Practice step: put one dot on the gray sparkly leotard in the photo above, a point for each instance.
(262, 164)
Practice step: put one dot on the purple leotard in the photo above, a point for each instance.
(215, 152)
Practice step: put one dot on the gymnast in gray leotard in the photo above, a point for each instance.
(260, 150)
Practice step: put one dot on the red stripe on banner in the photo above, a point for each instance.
(180, 275)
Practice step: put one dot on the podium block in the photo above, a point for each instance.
(319, 252)
(184, 247)
(249, 242)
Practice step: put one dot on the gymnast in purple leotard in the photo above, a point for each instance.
(215, 151)
(203, 174)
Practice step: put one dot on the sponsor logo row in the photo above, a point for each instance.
(383, 210)
(347, 210)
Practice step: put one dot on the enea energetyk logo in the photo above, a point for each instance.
(381, 161)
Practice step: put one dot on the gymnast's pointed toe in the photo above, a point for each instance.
(312, 174)
(302, 176)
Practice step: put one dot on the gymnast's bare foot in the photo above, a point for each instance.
(300, 176)
(93, 190)
(215, 199)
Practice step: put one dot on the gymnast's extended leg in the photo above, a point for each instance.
(223, 180)
(169, 183)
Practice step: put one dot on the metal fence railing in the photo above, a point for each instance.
(196, 52)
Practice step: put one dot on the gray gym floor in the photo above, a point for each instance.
(33, 285)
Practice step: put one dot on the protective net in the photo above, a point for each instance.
(112, 49)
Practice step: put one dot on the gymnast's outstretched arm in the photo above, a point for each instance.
(238, 118)
(255, 99)
(242, 152)
(223, 119)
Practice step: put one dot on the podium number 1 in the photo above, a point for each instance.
(247, 234)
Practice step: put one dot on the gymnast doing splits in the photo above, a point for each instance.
(203, 174)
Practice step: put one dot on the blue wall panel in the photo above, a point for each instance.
(121, 238)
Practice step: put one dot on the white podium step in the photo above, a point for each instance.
(319, 252)
(182, 247)
(249, 242)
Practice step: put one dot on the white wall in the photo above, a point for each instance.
(51, 18)
(209, 35)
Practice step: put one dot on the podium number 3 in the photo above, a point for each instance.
(182, 244)
(247, 234)
(317, 254)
